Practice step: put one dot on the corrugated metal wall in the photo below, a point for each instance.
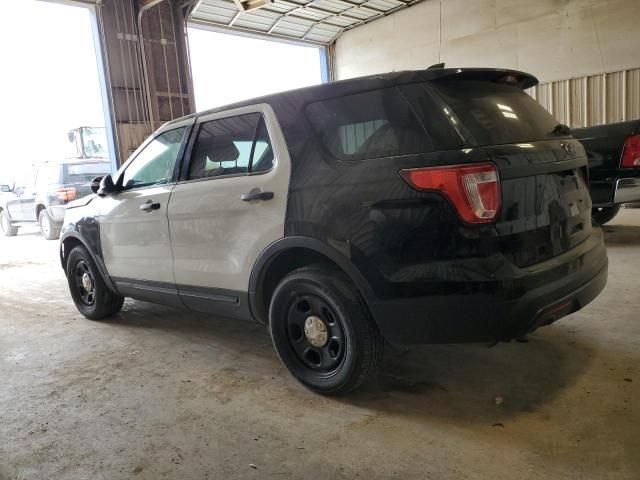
(592, 100)
(146, 65)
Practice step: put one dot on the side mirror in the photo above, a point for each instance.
(107, 187)
(95, 184)
(5, 188)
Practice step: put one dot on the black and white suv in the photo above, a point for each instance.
(418, 207)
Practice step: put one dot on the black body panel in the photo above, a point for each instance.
(604, 144)
(493, 300)
(546, 206)
(85, 231)
(432, 277)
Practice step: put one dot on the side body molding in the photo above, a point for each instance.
(273, 251)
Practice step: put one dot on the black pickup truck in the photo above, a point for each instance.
(614, 166)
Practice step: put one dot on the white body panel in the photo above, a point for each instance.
(135, 243)
(216, 237)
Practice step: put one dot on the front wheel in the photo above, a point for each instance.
(603, 215)
(8, 230)
(323, 331)
(91, 295)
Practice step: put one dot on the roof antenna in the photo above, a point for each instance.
(436, 65)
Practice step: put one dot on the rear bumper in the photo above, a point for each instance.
(57, 212)
(507, 303)
(627, 190)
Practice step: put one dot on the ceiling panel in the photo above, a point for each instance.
(313, 21)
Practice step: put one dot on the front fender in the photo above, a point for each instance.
(73, 236)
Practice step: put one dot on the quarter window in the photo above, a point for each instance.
(155, 164)
(231, 146)
(373, 124)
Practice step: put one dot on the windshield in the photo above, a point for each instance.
(497, 113)
(95, 142)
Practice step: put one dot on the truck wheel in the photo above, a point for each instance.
(323, 331)
(8, 230)
(603, 215)
(50, 230)
(91, 295)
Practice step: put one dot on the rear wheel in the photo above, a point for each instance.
(323, 332)
(8, 230)
(91, 295)
(603, 215)
(50, 230)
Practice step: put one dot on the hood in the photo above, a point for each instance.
(81, 202)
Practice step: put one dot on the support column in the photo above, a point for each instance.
(147, 67)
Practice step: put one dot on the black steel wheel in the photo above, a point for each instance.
(315, 333)
(323, 332)
(88, 290)
(85, 283)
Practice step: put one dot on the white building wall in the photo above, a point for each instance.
(553, 39)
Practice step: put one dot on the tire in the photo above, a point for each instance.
(8, 230)
(603, 215)
(93, 299)
(335, 355)
(49, 229)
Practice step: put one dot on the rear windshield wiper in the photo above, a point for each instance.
(561, 129)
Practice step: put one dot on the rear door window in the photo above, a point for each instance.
(496, 113)
(236, 145)
(374, 124)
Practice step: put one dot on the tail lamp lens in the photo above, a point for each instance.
(66, 194)
(474, 190)
(631, 152)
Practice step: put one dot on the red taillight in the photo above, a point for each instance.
(631, 152)
(473, 189)
(66, 194)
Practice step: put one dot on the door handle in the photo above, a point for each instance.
(247, 197)
(149, 206)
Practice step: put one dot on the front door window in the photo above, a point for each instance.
(155, 164)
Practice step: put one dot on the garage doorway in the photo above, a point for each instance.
(51, 90)
(227, 68)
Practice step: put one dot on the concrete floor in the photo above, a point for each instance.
(161, 393)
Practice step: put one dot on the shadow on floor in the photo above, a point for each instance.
(464, 382)
(621, 234)
(475, 382)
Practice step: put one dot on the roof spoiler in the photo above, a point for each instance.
(508, 77)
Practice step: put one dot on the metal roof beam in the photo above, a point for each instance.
(332, 19)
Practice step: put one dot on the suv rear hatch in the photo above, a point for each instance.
(545, 205)
(79, 175)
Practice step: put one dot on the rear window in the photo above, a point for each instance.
(373, 124)
(497, 113)
(85, 172)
